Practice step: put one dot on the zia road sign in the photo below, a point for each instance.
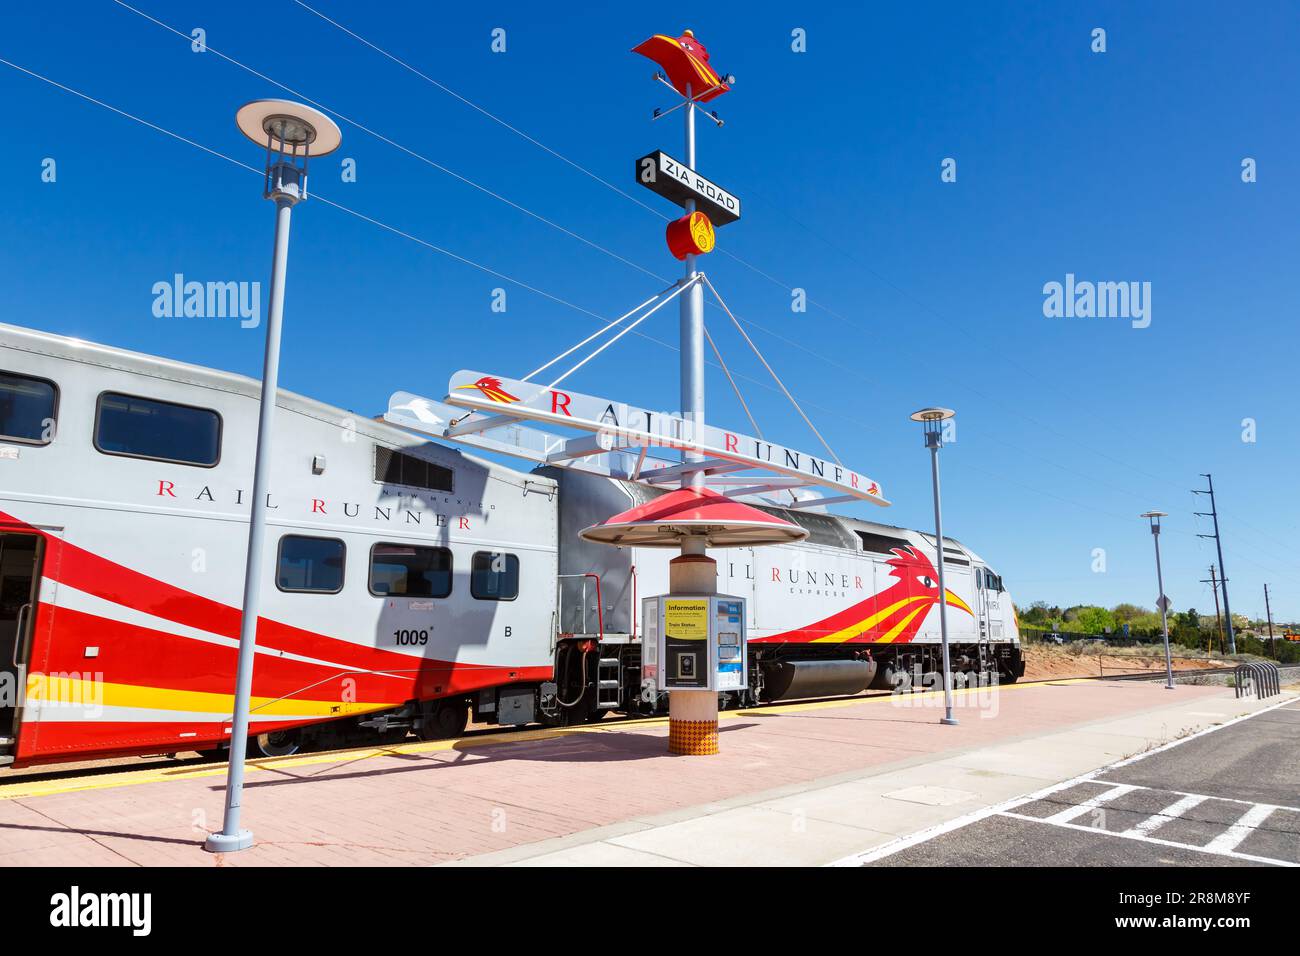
(677, 182)
(619, 426)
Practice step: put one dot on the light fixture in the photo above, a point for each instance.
(292, 134)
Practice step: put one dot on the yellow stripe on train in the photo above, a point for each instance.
(866, 624)
(54, 691)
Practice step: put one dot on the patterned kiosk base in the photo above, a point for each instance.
(692, 737)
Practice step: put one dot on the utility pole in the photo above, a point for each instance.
(1218, 621)
(1272, 648)
(1218, 544)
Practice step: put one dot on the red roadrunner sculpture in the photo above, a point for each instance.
(686, 63)
(892, 616)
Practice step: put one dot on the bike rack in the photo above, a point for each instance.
(1261, 677)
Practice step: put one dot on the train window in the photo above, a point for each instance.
(494, 576)
(992, 581)
(163, 431)
(27, 408)
(396, 468)
(400, 570)
(881, 543)
(313, 565)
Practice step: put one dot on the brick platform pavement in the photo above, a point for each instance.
(428, 803)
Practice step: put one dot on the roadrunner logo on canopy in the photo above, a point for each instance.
(491, 388)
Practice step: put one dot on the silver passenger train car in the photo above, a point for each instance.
(411, 586)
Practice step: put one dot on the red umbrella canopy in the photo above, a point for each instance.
(698, 512)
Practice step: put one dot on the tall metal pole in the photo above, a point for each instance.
(1164, 606)
(692, 326)
(1269, 612)
(1218, 619)
(934, 440)
(1223, 571)
(694, 572)
(231, 836)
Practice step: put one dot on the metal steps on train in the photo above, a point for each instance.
(609, 683)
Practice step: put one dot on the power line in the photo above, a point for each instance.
(439, 249)
(838, 247)
(464, 179)
(396, 145)
(360, 215)
(472, 105)
(534, 141)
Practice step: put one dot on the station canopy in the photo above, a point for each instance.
(562, 428)
(694, 512)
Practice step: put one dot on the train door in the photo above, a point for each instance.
(982, 603)
(20, 558)
(993, 604)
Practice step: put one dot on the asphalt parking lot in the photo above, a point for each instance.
(1226, 797)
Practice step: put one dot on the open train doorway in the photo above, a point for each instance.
(20, 556)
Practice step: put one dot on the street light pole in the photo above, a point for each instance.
(292, 133)
(1154, 517)
(932, 420)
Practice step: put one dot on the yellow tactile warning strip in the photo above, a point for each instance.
(128, 778)
(692, 738)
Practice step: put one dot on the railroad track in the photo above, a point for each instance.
(1158, 674)
(126, 764)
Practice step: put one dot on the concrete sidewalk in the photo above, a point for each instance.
(826, 820)
(798, 784)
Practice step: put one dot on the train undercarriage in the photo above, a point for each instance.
(594, 678)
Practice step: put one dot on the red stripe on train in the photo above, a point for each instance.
(86, 571)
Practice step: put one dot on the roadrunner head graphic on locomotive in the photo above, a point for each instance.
(409, 586)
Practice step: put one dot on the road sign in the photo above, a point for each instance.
(1163, 604)
(503, 403)
(677, 182)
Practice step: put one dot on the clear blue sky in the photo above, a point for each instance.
(1122, 166)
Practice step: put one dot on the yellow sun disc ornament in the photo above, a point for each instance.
(690, 235)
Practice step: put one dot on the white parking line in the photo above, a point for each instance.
(1069, 813)
(1171, 812)
(899, 844)
(1141, 838)
(1228, 841)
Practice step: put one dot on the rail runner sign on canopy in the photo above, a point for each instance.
(617, 427)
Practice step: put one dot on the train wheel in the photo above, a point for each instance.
(446, 719)
(898, 680)
(279, 743)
